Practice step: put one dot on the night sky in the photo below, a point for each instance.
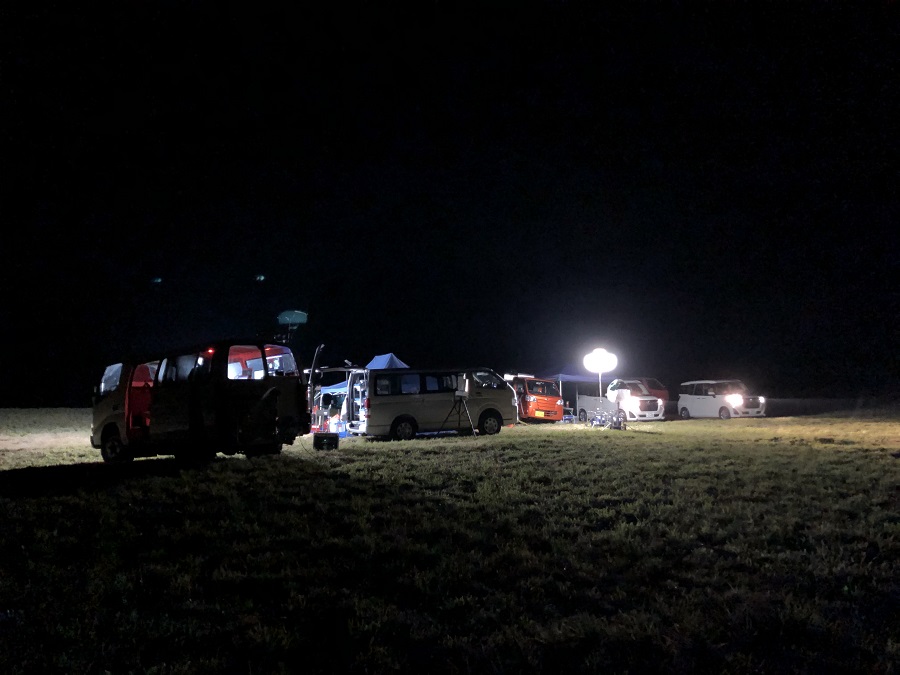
(704, 189)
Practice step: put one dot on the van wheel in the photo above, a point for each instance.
(113, 450)
(490, 423)
(685, 415)
(404, 429)
(724, 414)
(582, 416)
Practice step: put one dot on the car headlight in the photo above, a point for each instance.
(734, 400)
(762, 399)
(559, 402)
(530, 398)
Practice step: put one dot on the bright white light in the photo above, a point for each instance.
(734, 400)
(762, 399)
(630, 402)
(600, 361)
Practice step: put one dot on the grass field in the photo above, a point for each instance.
(745, 546)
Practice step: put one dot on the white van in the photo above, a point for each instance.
(635, 401)
(402, 402)
(718, 398)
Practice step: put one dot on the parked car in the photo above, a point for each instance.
(228, 396)
(400, 403)
(635, 402)
(718, 398)
(538, 398)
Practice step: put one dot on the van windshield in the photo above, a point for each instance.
(731, 387)
(110, 379)
(543, 388)
(637, 389)
(488, 379)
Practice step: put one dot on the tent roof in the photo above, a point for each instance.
(388, 360)
(571, 373)
(339, 388)
(570, 377)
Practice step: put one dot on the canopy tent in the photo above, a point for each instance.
(572, 373)
(339, 388)
(568, 377)
(388, 360)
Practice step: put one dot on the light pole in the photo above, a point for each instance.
(600, 361)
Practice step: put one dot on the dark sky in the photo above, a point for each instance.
(705, 189)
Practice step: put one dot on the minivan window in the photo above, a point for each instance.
(391, 385)
(181, 368)
(438, 383)
(245, 362)
(409, 384)
(280, 362)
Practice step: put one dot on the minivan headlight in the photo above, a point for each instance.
(762, 399)
(631, 403)
(734, 400)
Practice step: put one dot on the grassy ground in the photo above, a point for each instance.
(744, 546)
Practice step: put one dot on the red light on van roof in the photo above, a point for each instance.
(211, 351)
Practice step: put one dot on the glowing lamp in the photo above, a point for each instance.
(600, 361)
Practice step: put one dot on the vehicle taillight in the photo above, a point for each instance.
(366, 403)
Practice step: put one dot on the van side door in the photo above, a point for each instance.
(243, 413)
(705, 401)
(170, 407)
(487, 390)
(439, 410)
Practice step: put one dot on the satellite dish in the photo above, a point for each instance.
(292, 318)
(288, 322)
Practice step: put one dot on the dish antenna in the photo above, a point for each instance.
(288, 321)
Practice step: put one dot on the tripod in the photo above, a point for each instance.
(459, 404)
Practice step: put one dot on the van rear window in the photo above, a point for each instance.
(245, 362)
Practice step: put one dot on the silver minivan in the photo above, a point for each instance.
(402, 402)
(718, 398)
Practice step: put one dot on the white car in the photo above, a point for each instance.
(718, 398)
(635, 401)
